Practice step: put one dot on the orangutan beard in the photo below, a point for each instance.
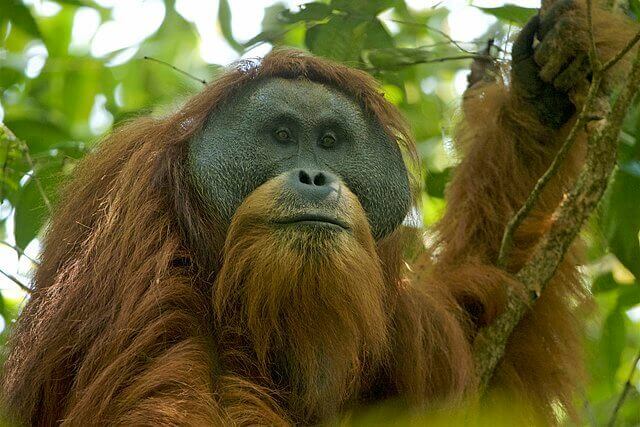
(309, 303)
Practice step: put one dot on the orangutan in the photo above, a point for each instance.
(243, 260)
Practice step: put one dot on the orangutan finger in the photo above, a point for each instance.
(573, 74)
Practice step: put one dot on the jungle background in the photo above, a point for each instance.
(71, 70)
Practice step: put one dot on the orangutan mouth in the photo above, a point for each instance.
(315, 220)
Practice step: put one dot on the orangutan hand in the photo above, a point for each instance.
(544, 75)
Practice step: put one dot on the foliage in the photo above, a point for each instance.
(59, 98)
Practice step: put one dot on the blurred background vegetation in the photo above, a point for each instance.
(70, 70)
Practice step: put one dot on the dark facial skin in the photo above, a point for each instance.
(281, 126)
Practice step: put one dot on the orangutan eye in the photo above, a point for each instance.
(283, 134)
(328, 140)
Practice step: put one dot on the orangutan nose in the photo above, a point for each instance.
(312, 185)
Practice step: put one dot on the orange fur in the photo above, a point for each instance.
(121, 328)
(504, 151)
(502, 160)
(138, 319)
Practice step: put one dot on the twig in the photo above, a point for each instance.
(593, 52)
(24, 148)
(588, 410)
(19, 251)
(625, 391)
(521, 215)
(434, 60)
(446, 43)
(569, 218)
(433, 29)
(613, 61)
(16, 281)
(417, 24)
(583, 119)
(454, 58)
(191, 76)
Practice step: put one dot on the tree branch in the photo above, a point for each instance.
(521, 215)
(613, 61)
(173, 67)
(568, 219)
(17, 281)
(432, 29)
(19, 251)
(593, 52)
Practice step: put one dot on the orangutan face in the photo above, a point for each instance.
(318, 140)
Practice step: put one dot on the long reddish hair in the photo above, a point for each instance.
(121, 304)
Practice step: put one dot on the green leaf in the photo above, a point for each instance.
(392, 93)
(264, 36)
(31, 211)
(74, 3)
(511, 13)
(377, 36)
(613, 340)
(437, 181)
(72, 92)
(30, 215)
(621, 219)
(341, 38)
(224, 19)
(634, 7)
(9, 76)
(604, 283)
(629, 296)
(16, 12)
(10, 169)
(40, 135)
(271, 19)
(308, 12)
(56, 31)
(272, 28)
(363, 7)
(344, 38)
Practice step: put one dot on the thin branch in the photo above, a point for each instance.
(583, 118)
(444, 43)
(625, 391)
(435, 60)
(19, 251)
(588, 410)
(433, 29)
(274, 36)
(593, 52)
(17, 281)
(191, 76)
(568, 219)
(613, 61)
(454, 58)
(418, 24)
(527, 207)
(24, 148)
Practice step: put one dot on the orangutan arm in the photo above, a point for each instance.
(507, 140)
(161, 373)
